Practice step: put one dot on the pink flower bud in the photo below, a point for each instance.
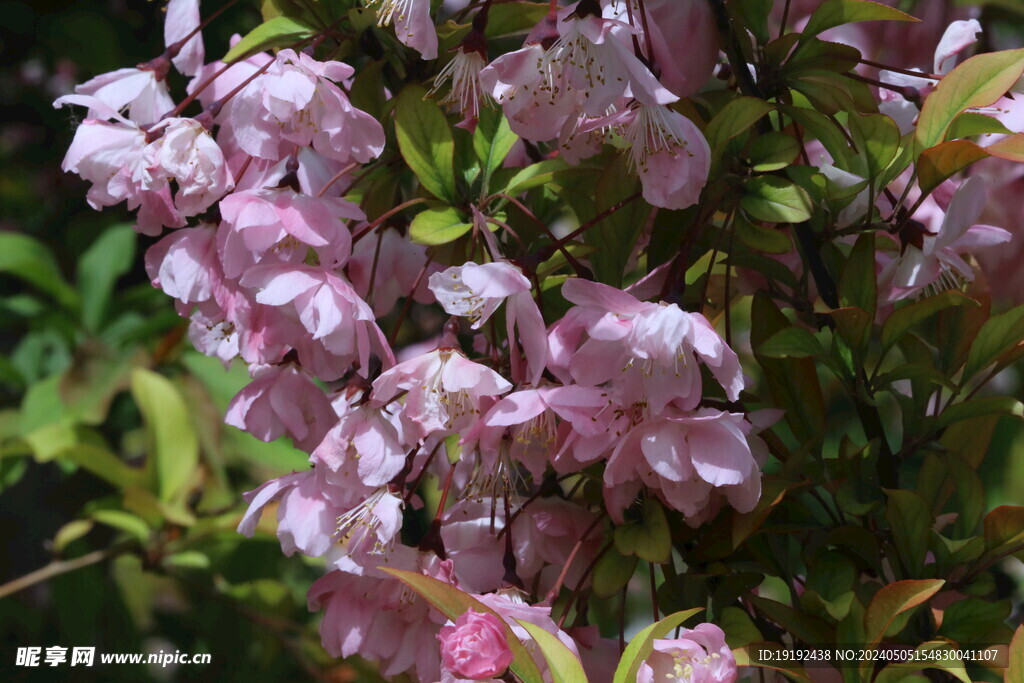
(475, 647)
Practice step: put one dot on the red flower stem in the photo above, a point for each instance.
(556, 589)
(383, 217)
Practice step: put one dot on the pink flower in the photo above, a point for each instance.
(516, 82)
(936, 265)
(281, 400)
(143, 91)
(670, 155)
(444, 388)
(326, 306)
(685, 458)
(594, 57)
(475, 647)
(282, 224)
(107, 154)
(364, 448)
(647, 350)
(186, 153)
(305, 517)
(673, 23)
(698, 655)
(530, 418)
(296, 103)
(959, 35)
(475, 291)
(413, 26)
(376, 616)
(182, 20)
(185, 265)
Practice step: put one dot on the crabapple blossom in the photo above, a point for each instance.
(280, 224)
(413, 26)
(445, 389)
(282, 400)
(699, 654)
(936, 263)
(296, 102)
(474, 647)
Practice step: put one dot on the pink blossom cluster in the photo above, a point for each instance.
(275, 267)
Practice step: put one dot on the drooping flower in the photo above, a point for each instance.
(295, 102)
(181, 21)
(186, 153)
(670, 155)
(327, 307)
(142, 91)
(475, 646)
(445, 389)
(185, 265)
(282, 400)
(699, 655)
(936, 264)
(463, 71)
(684, 458)
(413, 25)
(306, 516)
(283, 224)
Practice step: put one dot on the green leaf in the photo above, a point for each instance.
(910, 522)
(878, 140)
(834, 13)
(977, 82)
(616, 234)
(612, 572)
(793, 382)
(1004, 529)
(28, 259)
(753, 14)
(492, 141)
(452, 603)
(999, 334)
(564, 665)
(767, 240)
(806, 627)
(70, 532)
(970, 124)
(279, 31)
(642, 644)
(123, 521)
(734, 119)
(775, 200)
(107, 259)
(1010, 148)
(895, 599)
(939, 163)
(534, 175)
(971, 620)
(903, 319)
(650, 539)
(979, 407)
(773, 151)
(104, 464)
(426, 142)
(438, 226)
(173, 445)
(858, 293)
(791, 342)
